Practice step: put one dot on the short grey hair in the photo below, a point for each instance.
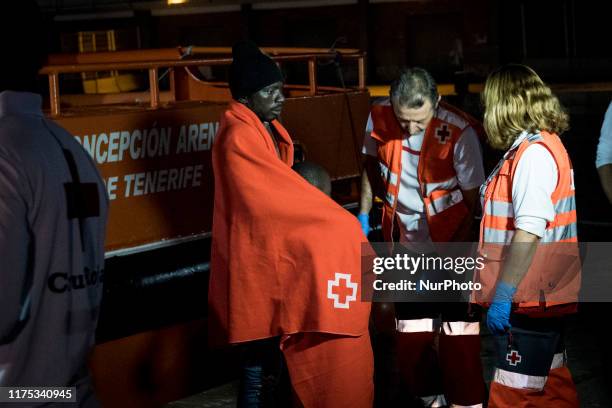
(413, 87)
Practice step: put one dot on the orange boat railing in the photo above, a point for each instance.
(53, 71)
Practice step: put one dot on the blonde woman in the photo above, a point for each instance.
(528, 201)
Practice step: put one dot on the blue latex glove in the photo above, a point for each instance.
(498, 316)
(364, 220)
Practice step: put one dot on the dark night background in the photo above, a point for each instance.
(459, 41)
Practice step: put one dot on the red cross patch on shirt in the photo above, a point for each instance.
(442, 134)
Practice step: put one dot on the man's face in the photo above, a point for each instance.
(415, 120)
(267, 103)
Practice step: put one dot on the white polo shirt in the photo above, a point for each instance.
(604, 148)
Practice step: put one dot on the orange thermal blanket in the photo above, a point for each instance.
(279, 243)
(286, 262)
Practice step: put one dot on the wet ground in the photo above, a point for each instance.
(223, 396)
(588, 356)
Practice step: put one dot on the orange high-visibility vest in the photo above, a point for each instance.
(445, 209)
(553, 277)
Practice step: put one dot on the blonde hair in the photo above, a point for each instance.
(516, 100)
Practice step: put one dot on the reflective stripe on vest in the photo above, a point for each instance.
(565, 205)
(444, 201)
(502, 209)
(449, 184)
(497, 236)
(388, 175)
(561, 233)
(391, 178)
(390, 199)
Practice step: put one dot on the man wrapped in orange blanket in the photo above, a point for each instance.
(285, 257)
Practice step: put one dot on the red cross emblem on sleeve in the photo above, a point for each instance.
(341, 290)
(513, 357)
(442, 134)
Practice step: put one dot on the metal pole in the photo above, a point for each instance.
(154, 87)
(54, 94)
(312, 75)
(362, 72)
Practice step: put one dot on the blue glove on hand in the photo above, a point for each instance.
(498, 316)
(364, 220)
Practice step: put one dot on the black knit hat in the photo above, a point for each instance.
(251, 70)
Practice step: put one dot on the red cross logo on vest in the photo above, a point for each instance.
(513, 357)
(341, 290)
(442, 134)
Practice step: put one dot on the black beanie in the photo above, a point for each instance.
(251, 70)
